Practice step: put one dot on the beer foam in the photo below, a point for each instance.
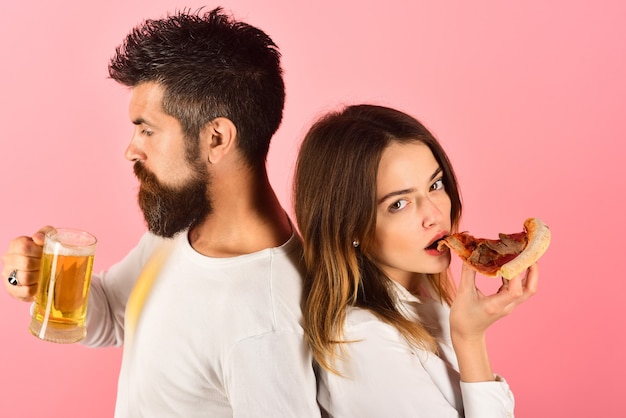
(69, 243)
(68, 251)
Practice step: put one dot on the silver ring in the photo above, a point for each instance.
(13, 278)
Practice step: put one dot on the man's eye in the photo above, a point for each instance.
(437, 185)
(398, 205)
(146, 132)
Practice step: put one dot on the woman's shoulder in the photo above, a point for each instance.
(362, 318)
(356, 315)
(366, 331)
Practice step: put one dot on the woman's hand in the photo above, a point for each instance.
(472, 313)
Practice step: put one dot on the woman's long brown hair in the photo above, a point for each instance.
(335, 203)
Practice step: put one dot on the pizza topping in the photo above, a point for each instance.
(496, 253)
(487, 257)
(508, 244)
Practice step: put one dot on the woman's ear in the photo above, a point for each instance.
(220, 136)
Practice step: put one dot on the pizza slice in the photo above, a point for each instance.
(507, 256)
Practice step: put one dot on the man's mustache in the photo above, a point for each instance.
(148, 179)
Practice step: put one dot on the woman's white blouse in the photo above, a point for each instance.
(384, 376)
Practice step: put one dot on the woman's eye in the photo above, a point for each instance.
(438, 185)
(398, 205)
(146, 132)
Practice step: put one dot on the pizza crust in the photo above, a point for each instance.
(538, 241)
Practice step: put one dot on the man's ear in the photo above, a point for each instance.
(220, 136)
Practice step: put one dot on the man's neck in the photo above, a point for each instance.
(247, 217)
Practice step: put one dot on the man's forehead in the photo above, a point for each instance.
(146, 102)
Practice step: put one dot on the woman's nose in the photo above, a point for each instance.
(431, 215)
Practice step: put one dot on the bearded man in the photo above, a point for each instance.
(218, 331)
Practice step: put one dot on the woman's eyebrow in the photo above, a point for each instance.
(405, 191)
(436, 173)
(395, 193)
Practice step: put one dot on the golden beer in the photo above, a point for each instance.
(65, 274)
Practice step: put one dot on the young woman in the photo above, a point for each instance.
(392, 335)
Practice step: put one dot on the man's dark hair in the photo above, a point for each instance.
(209, 66)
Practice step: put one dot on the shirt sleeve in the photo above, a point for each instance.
(109, 293)
(488, 399)
(272, 376)
(382, 375)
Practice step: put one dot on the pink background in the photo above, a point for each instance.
(528, 98)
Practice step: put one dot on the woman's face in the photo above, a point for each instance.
(413, 212)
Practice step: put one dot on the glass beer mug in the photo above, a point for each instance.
(61, 303)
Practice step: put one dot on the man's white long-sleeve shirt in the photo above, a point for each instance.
(216, 337)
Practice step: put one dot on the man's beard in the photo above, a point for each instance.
(170, 210)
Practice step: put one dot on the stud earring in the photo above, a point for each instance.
(355, 243)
